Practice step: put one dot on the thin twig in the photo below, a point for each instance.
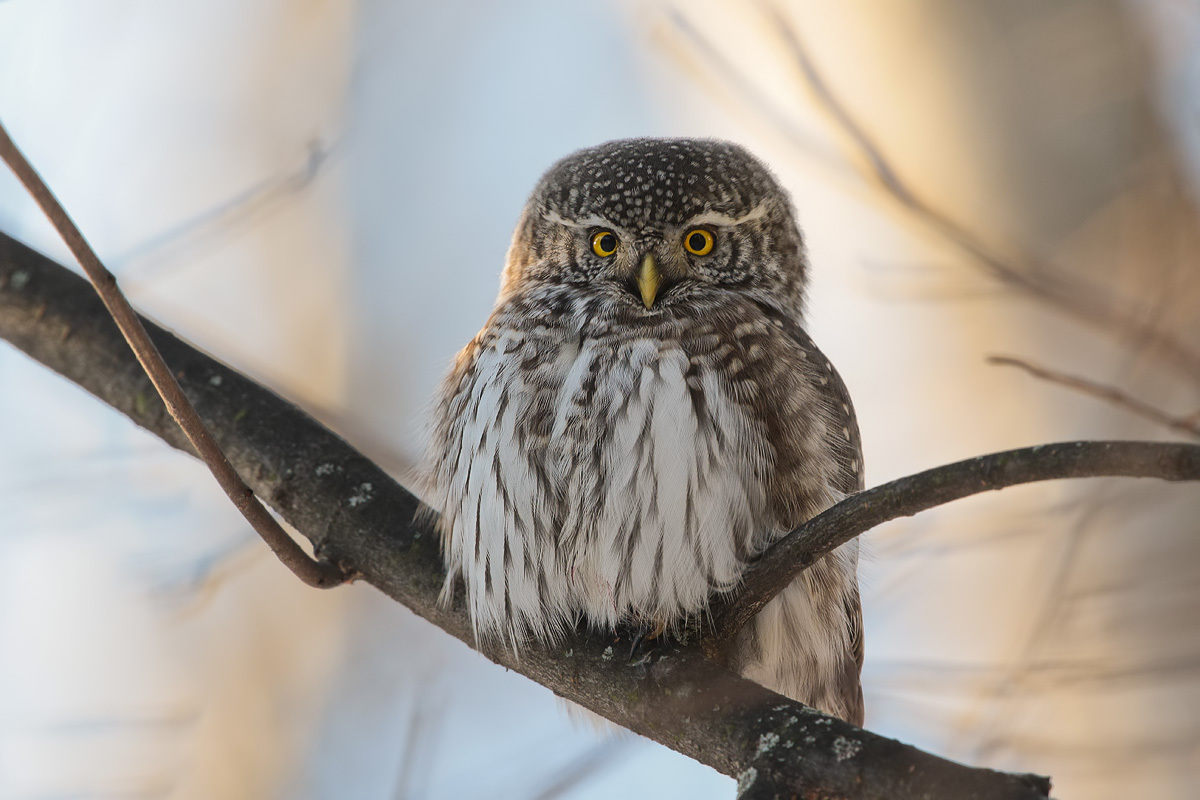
(182, 243)
(314, 573)
(794, 553)
(1189, 425)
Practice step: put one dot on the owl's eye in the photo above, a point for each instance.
(698, 242)
(604, 243)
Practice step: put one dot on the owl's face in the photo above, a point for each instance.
(651, 225)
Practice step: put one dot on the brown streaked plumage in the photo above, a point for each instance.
(644, 412)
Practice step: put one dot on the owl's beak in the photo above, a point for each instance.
(648, 280)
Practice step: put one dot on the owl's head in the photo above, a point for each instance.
(654, 224)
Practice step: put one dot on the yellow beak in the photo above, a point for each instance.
(648, 280)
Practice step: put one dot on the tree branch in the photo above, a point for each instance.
(1189, 425)
(794, 553)
(356, 515)
(312, 572)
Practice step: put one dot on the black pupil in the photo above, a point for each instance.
(697, 241)
(608, 243)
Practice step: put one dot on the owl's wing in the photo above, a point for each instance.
(843, 439)
(844, 442)
(848, 480)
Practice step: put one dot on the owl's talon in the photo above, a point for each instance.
(634, 657)
(643, 635)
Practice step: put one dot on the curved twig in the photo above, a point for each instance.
(314, 573)
(794, 553)
(1111, 394)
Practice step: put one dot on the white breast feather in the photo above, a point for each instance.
(651, 531)
(477, 520)
(673, 490)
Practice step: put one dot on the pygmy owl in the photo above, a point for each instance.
(643, 414)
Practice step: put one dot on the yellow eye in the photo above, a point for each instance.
(698, 242)
(604, 243)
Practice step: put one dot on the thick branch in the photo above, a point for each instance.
(794, 553)
(357, 516)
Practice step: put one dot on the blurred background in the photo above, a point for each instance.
(321, 193)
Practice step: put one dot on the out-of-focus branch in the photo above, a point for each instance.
(1111, 394)
(182, 242)
(312, 572)
(1020, 270)
(794, 553)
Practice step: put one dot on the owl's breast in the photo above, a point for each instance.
(661, 477)
(603, 475)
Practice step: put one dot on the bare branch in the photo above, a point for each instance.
(794, 553)
(312, 572)
(1189, 425)
(354, 514)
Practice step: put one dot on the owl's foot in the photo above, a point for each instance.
(644, 634)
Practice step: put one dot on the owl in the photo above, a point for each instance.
(643, 414)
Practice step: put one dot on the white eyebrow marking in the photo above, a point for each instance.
(724, 220)
(707, 218)
(587, 222)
